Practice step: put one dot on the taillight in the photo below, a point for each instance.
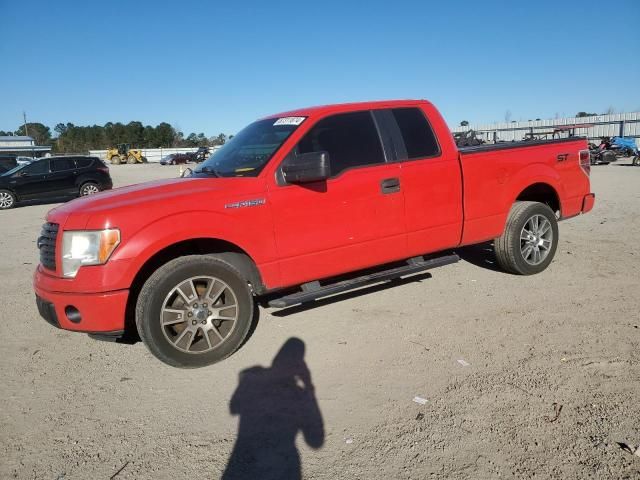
(585, 161)
(104, 169)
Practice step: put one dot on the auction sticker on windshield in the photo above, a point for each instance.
(289, 121)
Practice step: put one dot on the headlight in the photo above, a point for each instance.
(90, 247)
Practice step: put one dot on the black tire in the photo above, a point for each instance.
(132, 160)
(636, 161)
(608, 157)
(160, 288)
(115, 160)
(89, 188)
(510, 248)
(7, 200)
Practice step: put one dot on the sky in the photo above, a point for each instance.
(214, 66)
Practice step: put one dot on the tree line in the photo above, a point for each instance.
(70, 138)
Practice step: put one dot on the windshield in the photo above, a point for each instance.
(246, 154)
(13, 170)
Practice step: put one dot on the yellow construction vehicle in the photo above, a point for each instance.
(122, 153)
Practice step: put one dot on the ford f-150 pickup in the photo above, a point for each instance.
(295, 207)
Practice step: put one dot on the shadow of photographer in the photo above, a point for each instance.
(274, 404)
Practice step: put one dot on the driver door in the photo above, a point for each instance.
(350, 221)
(32, 181)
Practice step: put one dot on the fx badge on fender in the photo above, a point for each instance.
(246, 203)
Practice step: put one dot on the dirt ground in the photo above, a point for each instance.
(523, 377)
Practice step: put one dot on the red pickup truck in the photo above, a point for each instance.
(295, 207)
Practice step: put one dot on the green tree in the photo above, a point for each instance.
(39, 132)
(464, 123)
(165, 135)
(218, 140)
(586, 114)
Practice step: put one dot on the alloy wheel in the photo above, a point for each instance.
(6, 200)
(89, 190)
(536, 239)
(199, 314)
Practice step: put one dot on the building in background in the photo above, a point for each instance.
(594, 127)
(22, 146)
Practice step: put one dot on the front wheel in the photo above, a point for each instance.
(636, 161)
(530, 239)
(7, 200)
(194, 311)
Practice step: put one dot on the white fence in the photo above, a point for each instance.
(152, 154)
(617, 124)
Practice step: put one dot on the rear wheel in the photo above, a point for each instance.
(89, 188)
(131, 160)
(636, 161)
(115, 160)
(7, 200)
(530, 239)
(194, 311)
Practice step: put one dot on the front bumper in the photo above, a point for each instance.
(81, 312)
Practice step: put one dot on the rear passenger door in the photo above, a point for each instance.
(353, 220)
(431, 182)
(63, 176)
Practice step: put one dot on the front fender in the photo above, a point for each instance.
(255, 237)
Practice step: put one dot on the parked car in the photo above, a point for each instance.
(296, 207)
(175, 159)
(7, 162)
(53, 177)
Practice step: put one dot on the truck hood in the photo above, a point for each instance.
(152, 200)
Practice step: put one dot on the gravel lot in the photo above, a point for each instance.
(548, 386)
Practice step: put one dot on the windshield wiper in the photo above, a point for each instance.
(209, 170)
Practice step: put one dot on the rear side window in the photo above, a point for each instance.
(62, 164)
(83, 162)
(351, 139)
(417, 134)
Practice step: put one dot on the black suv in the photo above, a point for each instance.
(53, 177)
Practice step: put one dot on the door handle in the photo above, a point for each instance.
(390, 185)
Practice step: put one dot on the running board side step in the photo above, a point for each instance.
(313, 290)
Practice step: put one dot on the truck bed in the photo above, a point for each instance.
(496, 175)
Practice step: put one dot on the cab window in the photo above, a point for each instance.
(351, 139)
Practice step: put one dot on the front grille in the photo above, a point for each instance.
(47, 245)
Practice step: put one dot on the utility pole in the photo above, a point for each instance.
(24, 116)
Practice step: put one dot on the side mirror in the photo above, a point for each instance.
(307, 167)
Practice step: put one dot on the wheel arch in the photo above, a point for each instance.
(196, 246)
(541, 192)
(86, 178)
